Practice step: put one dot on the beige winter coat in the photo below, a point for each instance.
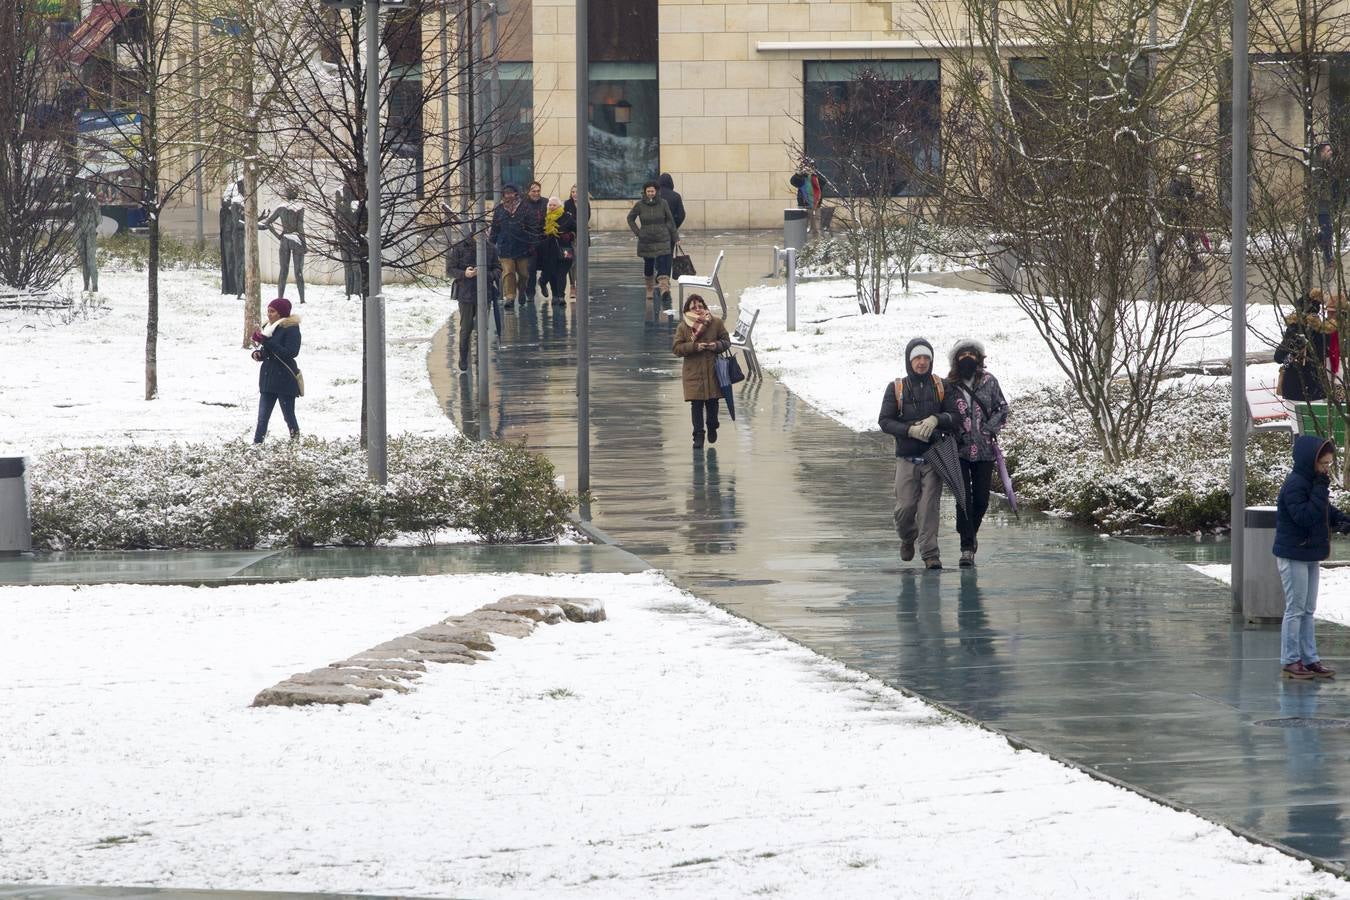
(699, 378)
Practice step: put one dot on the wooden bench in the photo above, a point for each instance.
(1268, 411)
(742, 340)
(12, 299)
(706, 282)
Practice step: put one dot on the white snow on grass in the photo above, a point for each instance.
(840, 360)
(673, 750)
(83, 383)
(1333, 589)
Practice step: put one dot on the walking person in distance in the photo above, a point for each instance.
(463, 266)
(981, 412)
(556, 250)
(652, 222)
(699, 337)
(279, 377)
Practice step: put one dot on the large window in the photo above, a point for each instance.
(624, 110)
(873, 125)
(517, 123)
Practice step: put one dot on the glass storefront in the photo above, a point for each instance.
(517, 122)
(624, 108)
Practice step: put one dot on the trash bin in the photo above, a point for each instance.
(16, 530)
(795, 222)
(1262, 593)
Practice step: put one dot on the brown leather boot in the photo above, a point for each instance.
(651, 286)
(664, 283)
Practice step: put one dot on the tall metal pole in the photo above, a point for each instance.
(445, 112)
(495, 96)
(376, 455)
(1238, 427)
(477, 85)
(583, 253)
(197, 124)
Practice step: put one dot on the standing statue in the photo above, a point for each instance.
(87, 215)
(290, 218)
(347, 226)
(232, 239)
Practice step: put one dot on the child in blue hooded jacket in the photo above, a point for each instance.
(1303, 521)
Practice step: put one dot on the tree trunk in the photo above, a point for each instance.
(252, 276)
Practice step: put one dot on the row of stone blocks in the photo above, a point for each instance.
(393, 665)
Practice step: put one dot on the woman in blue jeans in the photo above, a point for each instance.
(1303, 521)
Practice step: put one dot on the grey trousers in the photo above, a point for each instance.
(918, 492)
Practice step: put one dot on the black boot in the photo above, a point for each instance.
(698, 440)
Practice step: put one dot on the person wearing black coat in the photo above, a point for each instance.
(556, 250)
(1304, 518)
(570, 207)
(1302, 353)
(279, 376)
(921, 413)
(537, 205)
(673, 200)
(463, 268)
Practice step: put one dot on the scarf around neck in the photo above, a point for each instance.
(691, 319)
(551, 221)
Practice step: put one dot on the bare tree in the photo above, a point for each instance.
(35, 152)
(136, 85)
(1064, 158)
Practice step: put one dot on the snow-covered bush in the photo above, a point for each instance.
(311, 492)
(1179, 482)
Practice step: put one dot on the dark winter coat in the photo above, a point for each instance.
(462, 256)
(1302, 355)
(919, 402)
(698, 374)
(672, 198)
(551, 249)
(1304, 515)
(981, 413)
(278, 371)
(537, 210)
(512, 231)
(654, 225)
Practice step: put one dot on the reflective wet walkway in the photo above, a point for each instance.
(1099, 651)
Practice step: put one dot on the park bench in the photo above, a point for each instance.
(708, 282)
(1267, 410)
(741, 340)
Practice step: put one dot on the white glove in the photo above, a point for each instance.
(923, 429)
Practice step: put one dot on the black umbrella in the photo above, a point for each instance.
(941, 455)
(723, 369)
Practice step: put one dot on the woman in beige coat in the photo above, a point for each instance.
(699, 337)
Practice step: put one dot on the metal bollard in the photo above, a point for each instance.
(16, 529)
(790, 256)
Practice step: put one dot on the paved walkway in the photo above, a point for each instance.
(1099, 651)
(213, 567)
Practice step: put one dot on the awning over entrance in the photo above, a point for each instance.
(95, 28)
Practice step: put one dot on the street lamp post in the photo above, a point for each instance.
(1238, 413)
(583, 254)
(376, 450)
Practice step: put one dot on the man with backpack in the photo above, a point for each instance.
(914, 410)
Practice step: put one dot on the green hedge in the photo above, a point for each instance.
(310, 492)
(1180, 482)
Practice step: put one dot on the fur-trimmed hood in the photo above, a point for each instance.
(1310, 322)
(289, 322)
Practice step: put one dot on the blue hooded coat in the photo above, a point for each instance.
(1304, 515)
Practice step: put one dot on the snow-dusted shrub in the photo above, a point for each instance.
(311, 492)
(1179, 482)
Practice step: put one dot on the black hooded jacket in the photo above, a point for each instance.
(921, 400)
(672, 198)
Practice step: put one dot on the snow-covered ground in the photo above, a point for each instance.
(82, 383)
(840, 361)
(673, 750)
(1333, 590)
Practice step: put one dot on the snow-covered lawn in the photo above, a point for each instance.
(1333, 590)
(82, 383)
(840, 361)
(673, 750)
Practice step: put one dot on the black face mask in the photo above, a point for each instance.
(966, 367)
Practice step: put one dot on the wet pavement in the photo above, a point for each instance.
(214, 567)
(1101, 652)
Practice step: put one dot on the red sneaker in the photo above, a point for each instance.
(1297, 671)
(1320, 670)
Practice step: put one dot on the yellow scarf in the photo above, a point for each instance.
(551, 221)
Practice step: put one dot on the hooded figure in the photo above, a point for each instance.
(1302, 352)
(672, 197)
(1304, 518)
(981, 413)
(913, 410)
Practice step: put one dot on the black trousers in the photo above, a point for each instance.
(468, 315)
(701, 411)
(977, 476)
(656, 265)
